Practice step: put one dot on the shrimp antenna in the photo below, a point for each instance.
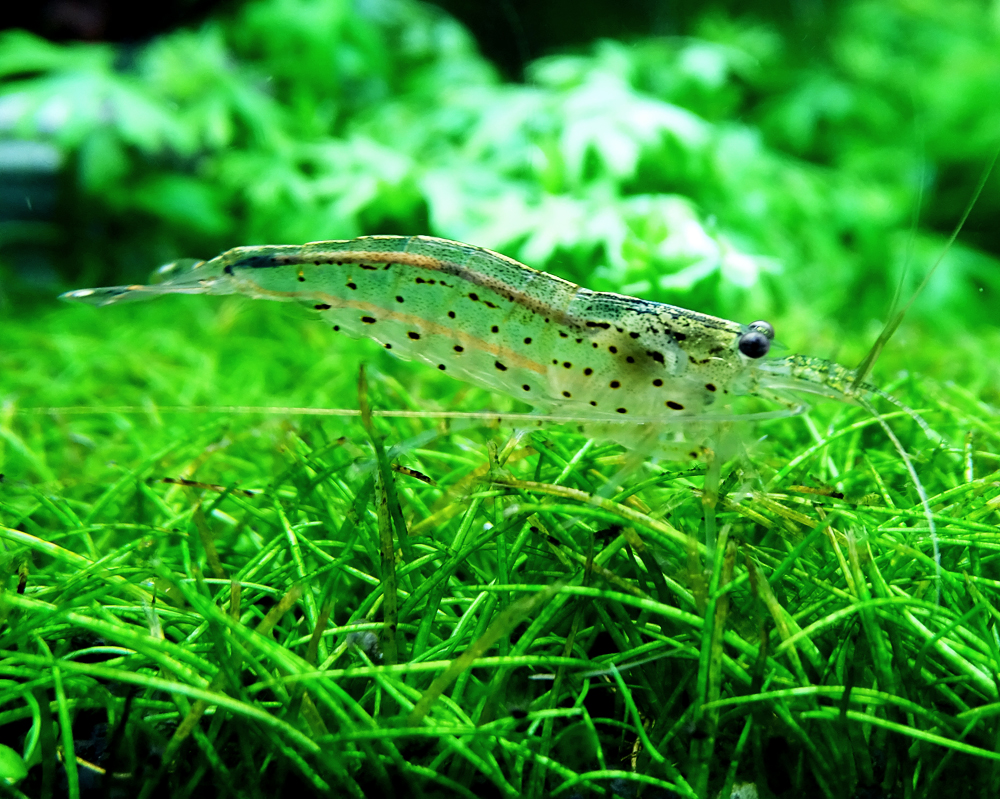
(865, 368)
(921, 492)
(916, 417)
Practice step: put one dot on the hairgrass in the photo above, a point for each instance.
(228, 604)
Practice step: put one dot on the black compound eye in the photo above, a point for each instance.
(754, 344)
(760, 326)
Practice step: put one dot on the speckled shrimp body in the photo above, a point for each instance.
(487, 319)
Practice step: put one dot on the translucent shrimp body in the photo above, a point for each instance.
(486, 319)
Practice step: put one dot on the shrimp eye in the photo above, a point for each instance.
(760, 326)
(754, 344)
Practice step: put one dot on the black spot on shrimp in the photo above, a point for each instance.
(258, 262)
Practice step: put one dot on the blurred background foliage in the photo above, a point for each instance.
(775, 160)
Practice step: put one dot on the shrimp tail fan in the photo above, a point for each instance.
(186, 276)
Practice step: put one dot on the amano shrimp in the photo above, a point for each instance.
(588, 356)
(486, 319)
